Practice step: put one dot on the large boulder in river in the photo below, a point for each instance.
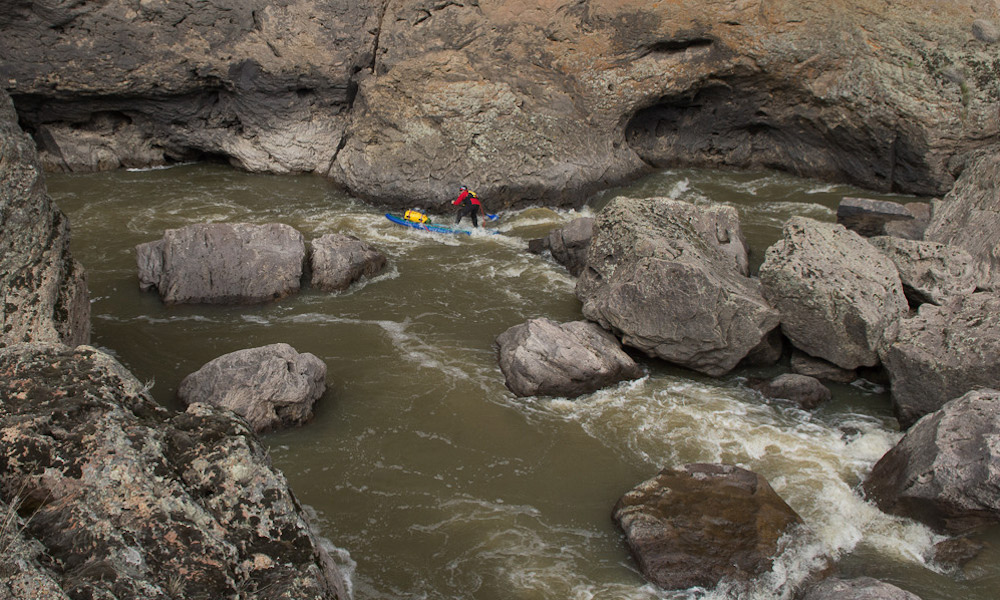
(946, 469)
(272, 387)
(930, 272)
(969, 218)
(129, 500)
(840, 299)
(223, 263)
(567, 244)
(543, 358)
(44, 290)
(943, 352)
(670, 278)
(861, 588)
(808, 392)
(337, 260)
(704, 524)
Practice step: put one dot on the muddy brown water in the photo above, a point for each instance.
(428, 477)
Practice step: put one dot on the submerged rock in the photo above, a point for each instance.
(840, 299)
(223, 263)
(338, 260)
(129, 500)
(544, 358)
(861, 588)
(272, 387)
(670, 278)
(705, 524)
(803, 390)
(946, 470)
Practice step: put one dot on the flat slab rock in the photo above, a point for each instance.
(545, 358)
(223, 263)
(703, 524)
(272, 387)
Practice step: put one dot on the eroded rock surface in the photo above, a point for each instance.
(44, 290)
(127, 500)
(929, 272)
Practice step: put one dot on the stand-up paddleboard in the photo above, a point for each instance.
(438, 228)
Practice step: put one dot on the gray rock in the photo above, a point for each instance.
(912, 229)
(930, 272)
(568, 244)
(869, 217)
(944, 352)
(946, 470)
(704, 524)
(223, 263)
(670, 279)
(130, 500)
(272, 387)
(543, 358)
(805, 391)
(840, 299)
(339, 260)
(44, 290)
(985, 31)
(861, 588)
(968, 217)
(803, 364)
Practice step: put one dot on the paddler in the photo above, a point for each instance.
(469, 205)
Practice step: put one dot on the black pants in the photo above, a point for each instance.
(468, 210)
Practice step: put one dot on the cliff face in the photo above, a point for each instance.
(528, 102)
(44, 289)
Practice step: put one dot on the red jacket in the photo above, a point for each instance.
(467, 194)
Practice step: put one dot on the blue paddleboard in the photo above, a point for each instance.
(437, 228)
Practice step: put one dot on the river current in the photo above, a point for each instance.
(428, 477)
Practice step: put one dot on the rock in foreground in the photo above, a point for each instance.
(946, 471)
(704, 524)
(223, 263)
(862, 588)
(272, 387)
(127, 500)
(544, 358)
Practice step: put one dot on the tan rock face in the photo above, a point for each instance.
(528, 102)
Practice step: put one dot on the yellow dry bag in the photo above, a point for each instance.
(415, 216)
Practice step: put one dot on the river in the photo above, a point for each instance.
(428, 476)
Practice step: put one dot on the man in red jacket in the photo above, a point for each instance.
(470, 205)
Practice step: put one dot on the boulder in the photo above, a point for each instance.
(568, 244)
(869, 217)
(911, 229)
(670, 279)
(945, 471)
(861, 588)
(130, 500)
(704, 524)
(44, 289)
(223, 263)
(968, 217)
(943, 352)
(338, 260)
(840, 299)
(803, 364)
(930, 272)
(545, 358)
(272, 387)
(803, 390)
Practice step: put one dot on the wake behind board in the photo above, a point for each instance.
(438, 228)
